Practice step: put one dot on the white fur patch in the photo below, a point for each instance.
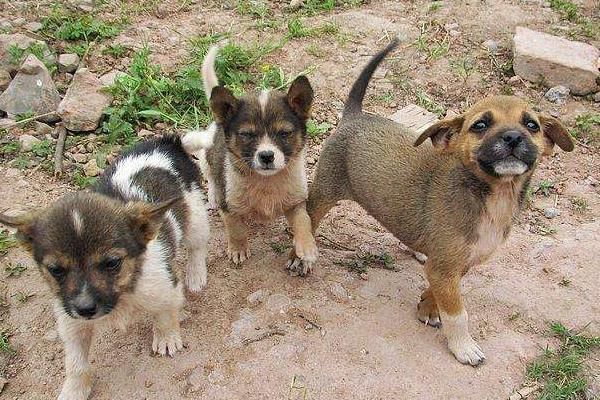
(77, 222)
(267, 144)
(460, 342)
(198, 140)
(177, 231)
(209, 76)
(197, 237)
(263, 99)
(131, 165)
(510, 167)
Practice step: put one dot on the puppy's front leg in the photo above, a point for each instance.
(237, 237)
(77, 338)
(445, 287)
(305, 246)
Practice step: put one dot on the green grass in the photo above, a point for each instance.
(82, 181)
(77, 48)
(314, 129)
(5, 346)
(280, 247)
(566, 8)
(11, 147)
(115, 51)
(21, 162)
(22, 297)
(43, 148)
(544, 187)
(424, 100)
(255, 9)
(464, 67)
(7, 241)
(63, 24)
(17, 55)
(435, 6)
(315, 50)
(297, 29)
(561, 370)
(579, 204)
(15, 270)
(361, 263)
(313, 7)
(430, 43)
(587, 127)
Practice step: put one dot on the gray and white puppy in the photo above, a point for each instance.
(454, 201)
(109, 253)
(253, 157)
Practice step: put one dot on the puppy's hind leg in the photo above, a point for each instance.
(166, 330)
(77, 338)
(455, 322)
(197, 236)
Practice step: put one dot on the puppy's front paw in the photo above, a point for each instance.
(166, 343)
(298, 267)
(238, 253)
(77, 388)
(304, 257)
(427, 310)
(196, 276)
(467, 351)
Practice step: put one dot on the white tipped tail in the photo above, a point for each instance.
(199, 140)
(209, 76)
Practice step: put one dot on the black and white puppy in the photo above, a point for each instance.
(109, 253)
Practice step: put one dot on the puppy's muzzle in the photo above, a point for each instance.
(512, 138)
(509, 153)
(266, 159)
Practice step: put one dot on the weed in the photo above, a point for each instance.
(425, 101)
(587, 126)
(315, 50)
(507, 90)
(16, 55)
(564, 282)
(9, 148)
(427, 42)
(5, 346)
(21, 162)
(544, 187)
(579, 204)
(435, 6)
(65, 25)
(567, 8)
(514, 316)
(464, 67)
(14, 270)
(23, 297)
(544, 230)
(256, 9)
(313, 129)
(115, 51)
(561, 370)
(42, 148)
(297, 29)
(387, 97)
(7, 241)
(280, 247)
(77, 48)
(82, 181)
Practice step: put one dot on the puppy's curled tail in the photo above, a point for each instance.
(194, 141)
(357, 93)
(209, 76)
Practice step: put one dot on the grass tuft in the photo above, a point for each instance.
(7, 241)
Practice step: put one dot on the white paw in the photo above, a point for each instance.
(196, 277)
(167, 344)
(467, 351)
(238, 256)
(76, 389)
(298, 267)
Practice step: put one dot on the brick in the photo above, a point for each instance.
(551, 60)
(414, 117)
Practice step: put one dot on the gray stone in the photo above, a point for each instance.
(339, 292)
(33, 26)
(68, 63)
(450, 26)
(32, 90)
(551, 212)
(5, 25)
(257, 297)
(553, 61)
(414, 117)
(82, 108)
(27, 142)
(6, 123)
(145, 133)
(491, 46)
(557, 94)
(80, 158)
(597, 97)
(109, 78)
(22, 42)
(91, 169)
(5, 79)
(19, 21)
(278, 303)
(41, 129)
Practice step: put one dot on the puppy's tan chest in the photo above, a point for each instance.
(494, 224)
(264, 198)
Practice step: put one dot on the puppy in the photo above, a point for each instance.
(109, 253)
(454, 201)
(253, 157)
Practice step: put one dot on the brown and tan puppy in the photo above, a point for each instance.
(253, 157)
(454, 201)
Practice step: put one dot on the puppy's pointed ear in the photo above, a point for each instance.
(25, 224)
(555, 132)
(300, 97)
(223, 104)
(145, 219)
(441, 132)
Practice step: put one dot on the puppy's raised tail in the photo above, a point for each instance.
(199, 140)
(209, 76)
(357, 93)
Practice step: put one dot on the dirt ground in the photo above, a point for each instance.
(335, 334)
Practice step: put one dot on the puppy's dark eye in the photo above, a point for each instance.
(112, 264)
(532, 126)
(246, 134)
(57, 271)
(480, 126)
(285, 134)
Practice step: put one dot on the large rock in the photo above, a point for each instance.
(31, 91)
(82, 108)
(4, 79)
(553, 61)
(22, 42)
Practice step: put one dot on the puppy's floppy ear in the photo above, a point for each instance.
(145, 219)
(555, 132)
(441, 132)
(25, 224)
(300, 97)
(223, 104)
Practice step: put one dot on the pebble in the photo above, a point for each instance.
(557, 94)
(257, 297)
(514, 80)
(68, 62)
(278, 303)
(295, 5)
(338, 291)
(91, 168)
(27, 142)
(551, 212)
(597, 97)
(491, 46)
(144, 133)
(19, 21)
(33, 26)
(450, 26)
(42, 129)
(80, 158)
(6, 123)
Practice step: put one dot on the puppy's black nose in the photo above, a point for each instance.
(266, 157)
(512, 138)
(87, 311)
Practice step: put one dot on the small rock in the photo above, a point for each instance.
(27, 142)
(597, 97)
(51, 335)
(68, 63)
(295, 5)
(338, 291)
(161, 11)
(6, 123)
(311, 160)
(491, 46)
(5, 79)
(32, 90)
(91, 169)
(557, 94)
(364, 276)
(21, 41)
(109, 78)
(19, 21)
(454, 32)
(5, 25)
(278, 303)
(551, 212)
(216, 377)
(33, 26)
(41, 129)
(80, 159)
(257, 297)
(450, 26)
(144, 133)
(3, 382)
(84, 104)
(514, 80)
